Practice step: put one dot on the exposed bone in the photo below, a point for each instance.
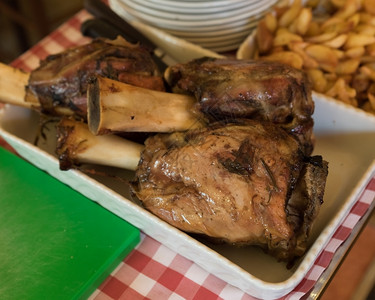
(12, 86)
(114, 107)
(76, 145)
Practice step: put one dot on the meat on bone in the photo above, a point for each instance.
(242, 183)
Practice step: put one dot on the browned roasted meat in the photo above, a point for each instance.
(246, 183)
(228, 88)
(60, 83)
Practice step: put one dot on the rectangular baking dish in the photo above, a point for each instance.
(345, 137)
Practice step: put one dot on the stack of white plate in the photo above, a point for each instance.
(218, 25)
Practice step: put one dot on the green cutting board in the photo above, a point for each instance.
(54, 242)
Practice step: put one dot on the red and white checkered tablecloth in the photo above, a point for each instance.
(152, 271)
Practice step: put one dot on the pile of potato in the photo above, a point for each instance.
(332, 40)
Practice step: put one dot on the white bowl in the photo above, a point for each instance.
(167, 20)
(182, 16)
(219, 25)
(197, 5)
(158, 34)
(185, 26)
(191, 7)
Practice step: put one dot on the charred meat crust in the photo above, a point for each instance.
(60, 82)
(229, 88)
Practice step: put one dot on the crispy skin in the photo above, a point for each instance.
(233, 183)
(231, 89)
(60, 82)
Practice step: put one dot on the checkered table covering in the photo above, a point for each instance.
(152, 271)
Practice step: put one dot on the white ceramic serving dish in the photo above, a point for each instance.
(201, 7)
(218, 16)
(344, 136)
(236, 17)
(198, 6)
(183, 24)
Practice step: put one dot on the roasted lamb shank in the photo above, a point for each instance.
(243, 183)
(59, 85)
(231, 89)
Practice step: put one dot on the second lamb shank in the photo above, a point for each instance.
(265, 91)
